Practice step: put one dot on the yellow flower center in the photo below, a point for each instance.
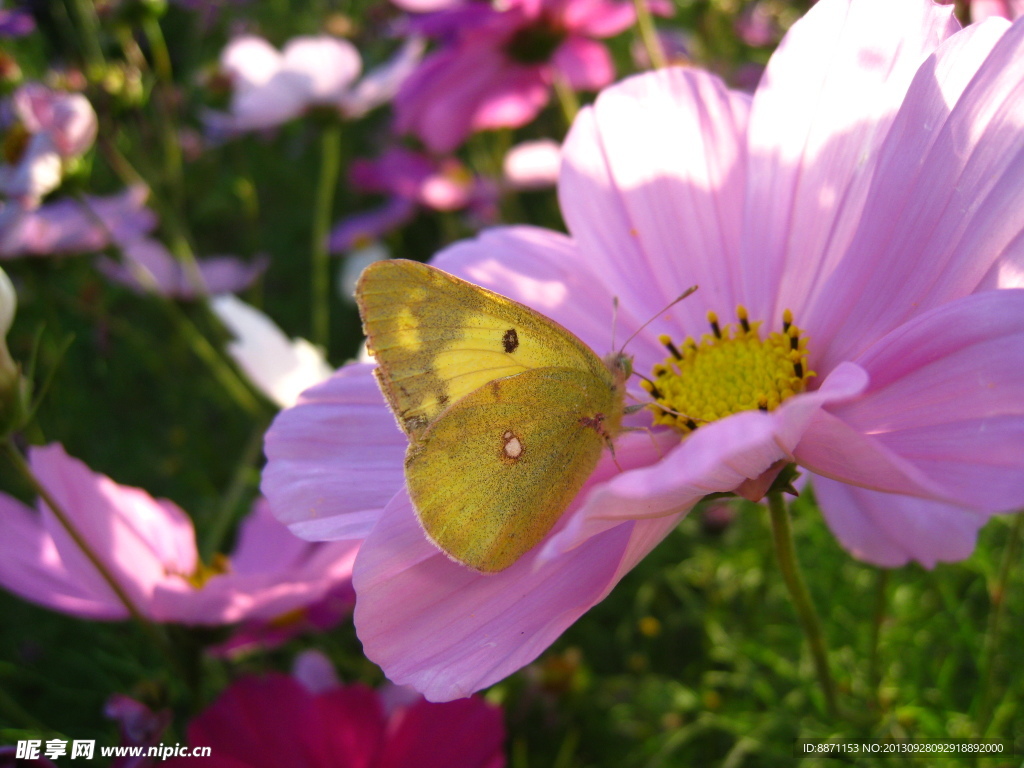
(203, 572)
(729, 370)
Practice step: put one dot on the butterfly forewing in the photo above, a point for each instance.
(438, 338)
(510, 462)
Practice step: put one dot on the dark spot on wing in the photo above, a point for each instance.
(443, 399)
(510, 341)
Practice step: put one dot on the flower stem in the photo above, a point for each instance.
(330, 167)
(994, 628)
(881, 590)
(785, 554)
(566, 98)
(649, 35)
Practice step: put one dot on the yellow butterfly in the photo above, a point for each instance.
(506, 411)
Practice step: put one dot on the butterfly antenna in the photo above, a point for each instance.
(655, 316)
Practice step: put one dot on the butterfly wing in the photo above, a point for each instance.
(438, 338)
(491, 478)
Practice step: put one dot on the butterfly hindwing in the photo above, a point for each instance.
(438, 338)
(510, 463)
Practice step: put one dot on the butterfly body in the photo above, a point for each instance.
(507, 413)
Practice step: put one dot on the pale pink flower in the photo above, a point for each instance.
(532, 164)
(71, 226)
(271, 87)
(273, 720)
(148, 546)
(281, 368)
(147, 266)
(496, 66)
(873, 187)
(54, 128)
(1005, 9)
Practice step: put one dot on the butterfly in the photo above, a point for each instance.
(507, 412)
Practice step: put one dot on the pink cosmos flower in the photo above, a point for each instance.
(1006, 9)
(69, 226)
(259, 722)
(148, 545)
(863, 208)
(147, 265)
(496, 67)
(52, 128)
(410, 180)
(271, 87)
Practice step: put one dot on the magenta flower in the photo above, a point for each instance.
(410, 180)
(496, 67)
(855, 218)
(69, 226)
(260, 722)
(147, 266)
(50, 129)
(148, 546)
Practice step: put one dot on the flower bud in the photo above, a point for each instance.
(13, 390)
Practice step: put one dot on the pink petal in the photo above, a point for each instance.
(718, 457)
(513, 99)
(947, 396)
(597, 18)
(139, 539)
(149, 266)
(825, 102)
(355, 230)
(328, 65)
(890, 530)
(264, 544)
(943, 211)
(532, 164)
(335, 459)
(440, 100)
(31, 567)
(585, 64)
(250, 61)
(448, 631)
(1006, 9)
(382, 83)
(469, 733)
(67, 226)
(651, 190)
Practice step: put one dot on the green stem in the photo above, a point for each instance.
(649, 35)
(881, 590)
(89, 25)
(995, 620)
(224, 516)
(567, 99)
(785, 554)
(164, 99)
(215, 361)
(330, 167)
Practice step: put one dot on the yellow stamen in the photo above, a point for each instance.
(203, 572)
(730, 370)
